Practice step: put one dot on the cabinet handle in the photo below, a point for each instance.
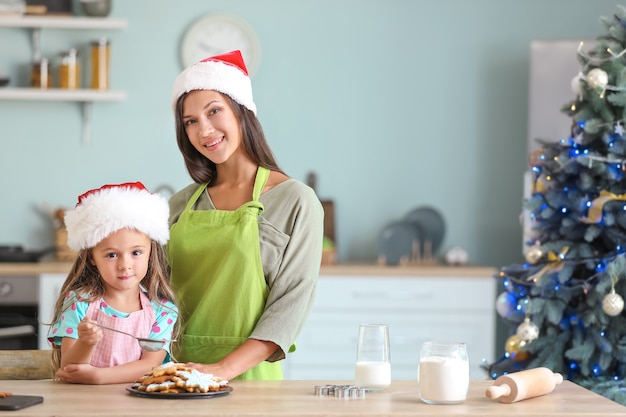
(7, 332)
(392, 295)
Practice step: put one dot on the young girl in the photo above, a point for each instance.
(120, 279)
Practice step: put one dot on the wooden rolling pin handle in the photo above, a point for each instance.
(522, 385)
(497, 391)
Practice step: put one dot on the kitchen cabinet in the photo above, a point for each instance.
(448, 305)
(85, 97)
(49, 289)
(417, 303)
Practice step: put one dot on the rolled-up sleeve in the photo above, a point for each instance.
(295, 211)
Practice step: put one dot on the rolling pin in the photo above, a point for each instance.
(522, 385)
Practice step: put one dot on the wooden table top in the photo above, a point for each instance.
(297, 398)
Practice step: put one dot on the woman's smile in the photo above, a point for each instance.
(214, 142)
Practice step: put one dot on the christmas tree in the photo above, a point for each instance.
(564, 307)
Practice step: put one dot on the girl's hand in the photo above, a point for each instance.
(79, 373)
(89, 333)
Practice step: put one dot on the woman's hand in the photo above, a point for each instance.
(245, 357)
(211, 368)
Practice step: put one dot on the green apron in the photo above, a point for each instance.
(218, 278)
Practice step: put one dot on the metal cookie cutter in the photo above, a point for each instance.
(339, 391)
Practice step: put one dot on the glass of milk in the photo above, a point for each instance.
(373, 362)
(443, 373)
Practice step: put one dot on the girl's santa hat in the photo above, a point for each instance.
(105, 210)
(226, 73)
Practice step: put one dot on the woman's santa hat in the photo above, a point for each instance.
(105, 210)
(226, 73)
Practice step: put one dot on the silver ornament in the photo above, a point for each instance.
(597, 78)
(527, 331)
(612, 303)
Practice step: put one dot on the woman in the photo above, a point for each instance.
(245, 239)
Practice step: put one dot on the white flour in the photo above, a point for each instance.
(443, 380)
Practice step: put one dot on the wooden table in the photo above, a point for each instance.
(296, 398)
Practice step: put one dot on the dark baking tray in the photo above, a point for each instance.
(17, 402)
(18, 254)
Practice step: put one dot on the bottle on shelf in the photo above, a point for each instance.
(100, 55)
(69, 70)
(40, 76)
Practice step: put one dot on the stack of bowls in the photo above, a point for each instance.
(96, 8)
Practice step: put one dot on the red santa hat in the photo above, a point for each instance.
(226, 73)
(105, 210)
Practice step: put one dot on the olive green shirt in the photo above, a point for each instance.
(291, 231)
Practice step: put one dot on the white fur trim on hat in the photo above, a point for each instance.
(224, 73)
(105, 210)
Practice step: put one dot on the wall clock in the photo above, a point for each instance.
(217, 33)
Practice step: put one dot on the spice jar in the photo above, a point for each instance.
(40, 74)
(100, 52)
(69, 70)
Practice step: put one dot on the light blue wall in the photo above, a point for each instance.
(394, 103)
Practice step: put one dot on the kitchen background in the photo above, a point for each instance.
(395, 104)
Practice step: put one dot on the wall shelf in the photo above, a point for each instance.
(54, 22)
(57, 94)
(36, 23)
(85, 97)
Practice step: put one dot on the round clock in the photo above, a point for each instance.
(216, 34)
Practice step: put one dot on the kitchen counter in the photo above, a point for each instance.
(37, 268)
(408, 270)
(296, 398)
(34, 268)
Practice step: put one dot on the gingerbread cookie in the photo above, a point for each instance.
(173, 378)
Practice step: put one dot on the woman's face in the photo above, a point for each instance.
(211, 125)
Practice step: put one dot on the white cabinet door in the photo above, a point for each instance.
(49, 290)
(415, 309)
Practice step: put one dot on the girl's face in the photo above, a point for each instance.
(211, 125)
(122, 259)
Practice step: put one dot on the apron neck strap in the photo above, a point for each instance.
(192, 200)
(262, 174)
